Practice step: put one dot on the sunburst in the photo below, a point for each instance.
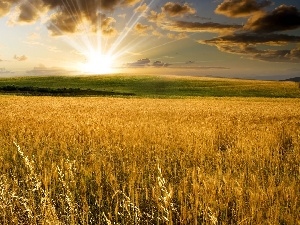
(101, 53)
(97, 63)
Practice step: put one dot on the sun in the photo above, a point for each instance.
(97, 63)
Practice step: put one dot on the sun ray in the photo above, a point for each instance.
(166, 43)
(123, 36)
(129, 46)
(70, 41)
(99, 54)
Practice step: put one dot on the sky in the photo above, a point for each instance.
(230, 38)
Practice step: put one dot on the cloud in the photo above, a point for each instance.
(160, 64)
(146, 63)
(142, 8)
(139, 63)
(43, 70)
(20, 58)
(177, 10)
(248, 44)
(292, 56)
(201, 17)
(189, 62)
(62, 24)
(165, 20)
(157, 34)
(65, 18)
(106, 4)
(155, 17)
(4, 71)
(171, 9)
(178, 36)
(107, 28)
(6, 5)
(142, 29)
(129, 2)
(241, 8)
(253, 38)
(66, 23)
(28, 12)
(184, 26)
(281, 19)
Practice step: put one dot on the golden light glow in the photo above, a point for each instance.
(97, 63)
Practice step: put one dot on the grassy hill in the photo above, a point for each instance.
(147, 86)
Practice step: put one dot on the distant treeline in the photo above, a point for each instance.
(296, 79)
(39, 91)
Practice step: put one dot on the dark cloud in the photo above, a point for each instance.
(66, 23)
(251, 42)
(20, 58)
(279, 55)
(165, 20)
(201, 17)
(184, 26)
(62, 24)
(67, 16)
(247, 44)
(190, 62)
(241, 8)
(281, 19)
(91, 5)
(140, 63)
(171, 9)
(146, 63)
(175, 9)
(268, 55)
(160, 64)
(253, 38)
(29, 12)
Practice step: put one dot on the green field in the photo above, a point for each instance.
(150, 86)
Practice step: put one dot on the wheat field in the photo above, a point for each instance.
(149, 161)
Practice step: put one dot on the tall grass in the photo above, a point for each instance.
(149, 161)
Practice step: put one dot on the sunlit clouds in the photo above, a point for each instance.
(101, 35)
(261, 29)
(241, 8)
(20, 58)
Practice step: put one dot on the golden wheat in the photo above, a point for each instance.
(149, 161)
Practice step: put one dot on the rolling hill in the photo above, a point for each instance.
(147, 86)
